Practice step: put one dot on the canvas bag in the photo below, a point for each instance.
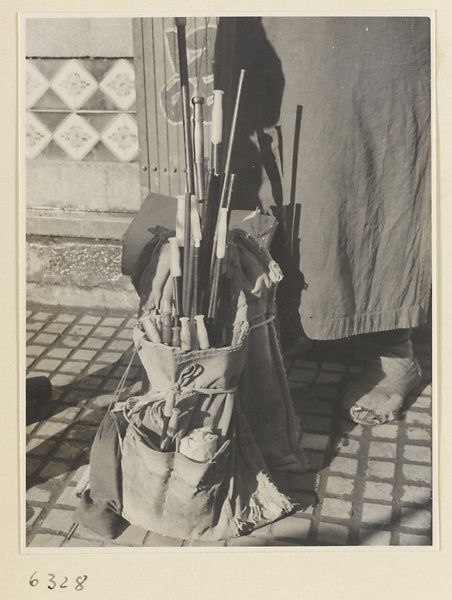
(232, 493)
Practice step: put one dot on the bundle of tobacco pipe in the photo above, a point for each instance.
(187, 314)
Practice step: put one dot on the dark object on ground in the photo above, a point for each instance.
(38, 398)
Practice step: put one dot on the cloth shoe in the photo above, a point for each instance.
(377, 395)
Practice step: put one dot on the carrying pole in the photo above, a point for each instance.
(180, 23)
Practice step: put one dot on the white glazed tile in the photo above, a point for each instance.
(119, 84)
(36, 84)
(73, 84)
(121, 137)
(37, 136)
(76, 136)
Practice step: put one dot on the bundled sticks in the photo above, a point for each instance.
(188, 313)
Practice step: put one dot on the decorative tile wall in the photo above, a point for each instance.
(81, 110)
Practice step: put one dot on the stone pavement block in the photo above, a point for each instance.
(68, 498)
(376, 513)
(352, 448)
(314, 441)
(60, 380)
(85, 355)
(81, 432)
(83, 533)
(38, 494)
(32, 466)
(337, 509)
(388, 430)
(68, 451)
(32, 515)
(29, 361)
(66, 414)
(125, 334)
(418, 454)
(417, 473)
(89, 320)
(119, 345)
(64, 318)
(73, 366)
(113, 321)
(34, 326)
(82, 330)
(54, 470)
(383, 449)
(351, 428)
(34, 350)
(203, 544)
(110, 385)
(80, 543)
(339, 486)
(94, 343)
(45, 338)
(161, 541)
(91, 416)
(55, 328)
(42, 316)
(101, 401)
(108, 357)
(30, 428)
(51, 429)
(46, 540)
(345, 465)
(59, 352)
(132, 536)
(331, 533)
(90, 383)
(104, 332)
(380, 469)
(39, 447)
(423, 389)
(317, 423)
(408, 539)
(250, 540)
(416, 433)
(418, 418)
(421, 402)
(59, 520)
(370, 537)
(72, 340)
(416, 495)
(378, 491)
(416, 519)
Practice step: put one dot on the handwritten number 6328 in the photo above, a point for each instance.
(52, 583)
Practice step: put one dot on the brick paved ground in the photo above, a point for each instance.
(372, 486)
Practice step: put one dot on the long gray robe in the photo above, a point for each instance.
(335, 129)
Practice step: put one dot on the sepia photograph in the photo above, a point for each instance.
(229, 312)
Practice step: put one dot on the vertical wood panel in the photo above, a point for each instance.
(160, 99)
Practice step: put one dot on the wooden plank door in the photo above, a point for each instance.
(159, 107)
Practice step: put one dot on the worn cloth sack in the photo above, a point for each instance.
(239, 391)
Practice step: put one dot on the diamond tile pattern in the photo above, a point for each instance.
(73, 84)
(119, 84)
(37, 136)
(86, 106)
(36, 84)
(121, 137)
(76, 136)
